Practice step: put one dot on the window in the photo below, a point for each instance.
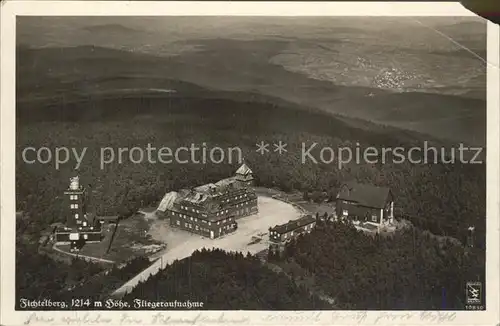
(76, 205)
(84, 223)
(178, 222)
(85, 236)
(197, 228)
(345, 212)
(209, 223)
(77, 215)
(374, 218)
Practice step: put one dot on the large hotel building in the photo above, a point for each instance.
(211, 210)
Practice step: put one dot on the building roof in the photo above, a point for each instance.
(364, 195)
(295, 224)
(206, 188)
(244, 170)
(168, 201)
(227, 182)
(196, 197)
(217, 188)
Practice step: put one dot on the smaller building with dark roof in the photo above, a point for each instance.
(365, 203)
(283, 233)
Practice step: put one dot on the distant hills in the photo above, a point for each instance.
(89, 70)
(109, 28)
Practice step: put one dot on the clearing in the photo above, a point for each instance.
(181, 244)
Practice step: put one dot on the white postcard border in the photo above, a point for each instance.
(10, 9)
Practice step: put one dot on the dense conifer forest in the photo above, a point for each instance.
(226, 281)
(39, 276)
(412, 269)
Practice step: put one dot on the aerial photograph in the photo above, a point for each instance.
(250, 163)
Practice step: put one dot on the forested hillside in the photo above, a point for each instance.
(39, 277)
(226, 281)
(452, 196)
(410, 270)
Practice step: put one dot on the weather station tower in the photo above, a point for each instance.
(75, 202)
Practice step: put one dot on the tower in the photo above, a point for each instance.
(244, 175)
(76, 204)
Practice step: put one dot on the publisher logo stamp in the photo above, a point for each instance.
(473, 292)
